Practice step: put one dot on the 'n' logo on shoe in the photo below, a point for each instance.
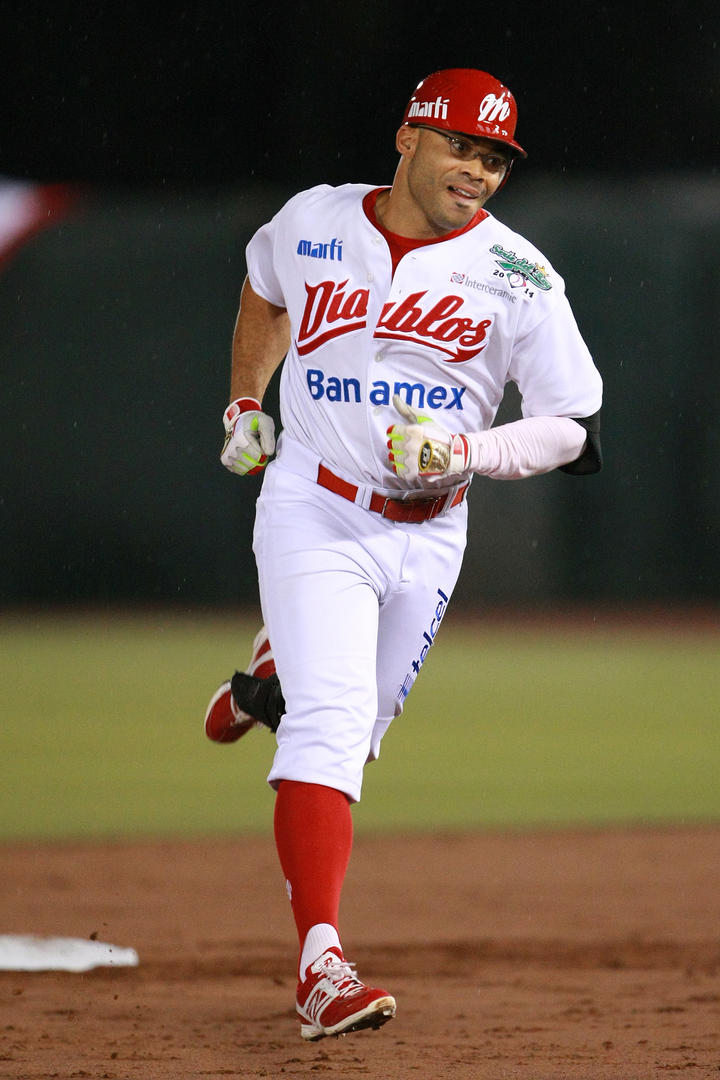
(320, 996)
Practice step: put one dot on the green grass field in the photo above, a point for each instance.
(507, 727)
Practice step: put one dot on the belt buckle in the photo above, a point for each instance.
(387, 499)
(437, 505)
(409, 510)
(392, 508)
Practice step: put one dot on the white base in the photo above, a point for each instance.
(26, 952)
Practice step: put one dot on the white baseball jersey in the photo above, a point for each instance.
(353, 600)
(459, 318)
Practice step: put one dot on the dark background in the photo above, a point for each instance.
(181, 132)
(218, 93)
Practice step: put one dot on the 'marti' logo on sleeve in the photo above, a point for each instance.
(332, 249)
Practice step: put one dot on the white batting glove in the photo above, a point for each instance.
(249, 437)
(422, 449)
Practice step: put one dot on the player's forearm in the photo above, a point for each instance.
(261, 340)
(526, 447)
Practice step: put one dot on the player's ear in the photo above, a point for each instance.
(406, 140)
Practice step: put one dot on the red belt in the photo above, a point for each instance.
(405, 510)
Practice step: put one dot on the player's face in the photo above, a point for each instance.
(446, 183)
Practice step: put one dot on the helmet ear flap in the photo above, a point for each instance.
(504, 180)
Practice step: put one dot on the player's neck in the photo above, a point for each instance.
(395, 218)
(393, 214)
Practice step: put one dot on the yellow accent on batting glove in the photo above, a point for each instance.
(249, 437)
(422, 449)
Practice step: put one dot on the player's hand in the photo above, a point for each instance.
(249, 437)
(422, 449)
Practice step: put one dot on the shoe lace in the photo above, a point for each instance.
(343, 975)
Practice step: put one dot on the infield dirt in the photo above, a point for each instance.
(534, 955)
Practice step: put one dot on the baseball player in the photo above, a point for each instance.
(401, 313)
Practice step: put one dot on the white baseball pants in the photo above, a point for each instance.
(352, 603)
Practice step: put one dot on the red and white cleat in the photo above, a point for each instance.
(262, 661)
(225, 722)
(332, 1000)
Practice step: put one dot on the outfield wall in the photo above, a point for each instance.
(115, 361)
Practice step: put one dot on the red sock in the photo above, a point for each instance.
(313, 835)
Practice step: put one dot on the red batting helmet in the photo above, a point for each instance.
(467, 101)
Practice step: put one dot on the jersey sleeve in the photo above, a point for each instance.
(260, 258)
(268, 258)
(553, 368)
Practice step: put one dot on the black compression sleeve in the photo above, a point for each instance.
(591, 460)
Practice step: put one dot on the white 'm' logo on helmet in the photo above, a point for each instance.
(493, 108)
